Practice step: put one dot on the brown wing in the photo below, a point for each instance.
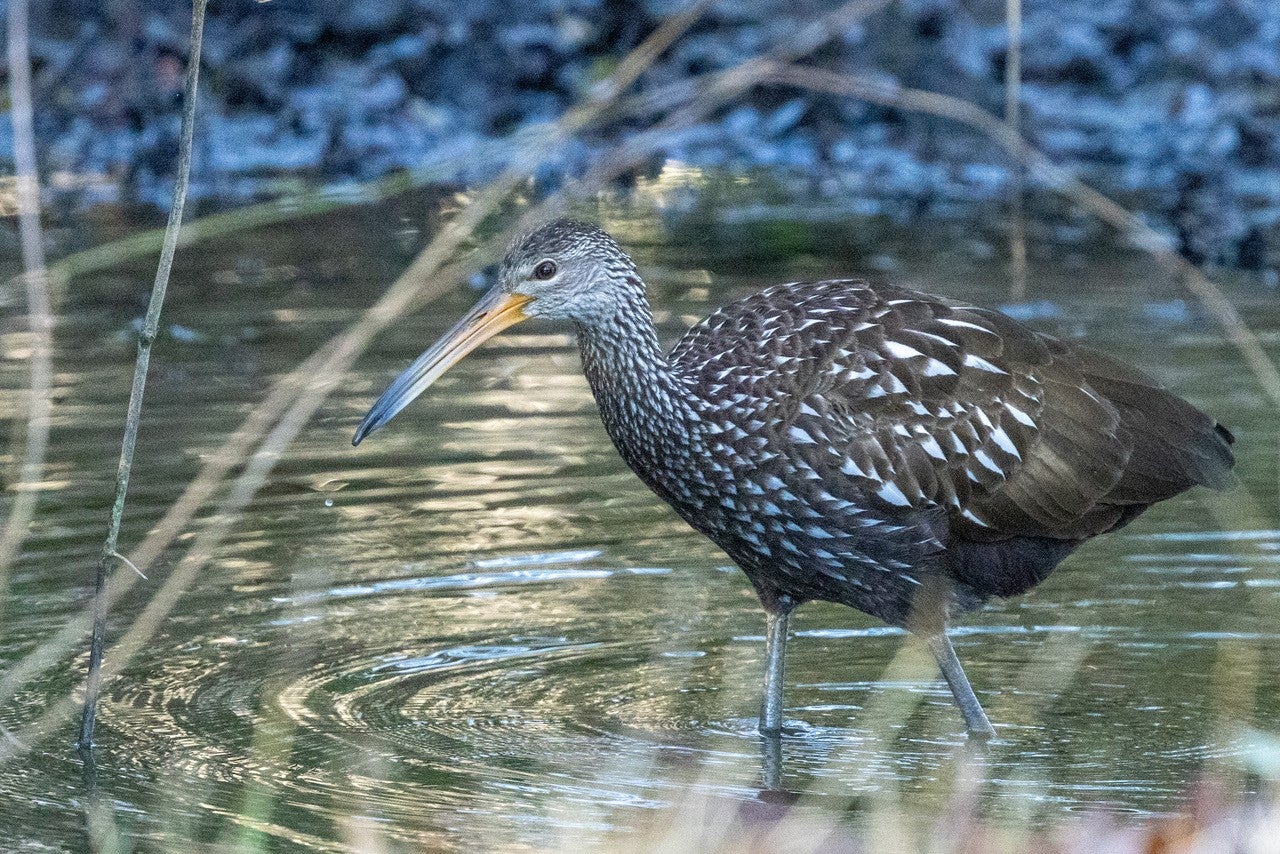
(922, 402)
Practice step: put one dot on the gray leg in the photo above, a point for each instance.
(771, 763)
(775, 653)
(975, 720)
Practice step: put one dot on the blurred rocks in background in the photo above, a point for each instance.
(1171, 105)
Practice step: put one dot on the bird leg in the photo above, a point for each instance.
(771, 764)
(975, 719)
(775, 653)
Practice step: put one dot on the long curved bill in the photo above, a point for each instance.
(495, 312)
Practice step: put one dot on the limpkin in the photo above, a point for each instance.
(904, 454)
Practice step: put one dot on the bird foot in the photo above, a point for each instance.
(794, 728)
(981, 738)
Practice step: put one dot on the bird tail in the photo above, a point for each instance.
(1175, 445)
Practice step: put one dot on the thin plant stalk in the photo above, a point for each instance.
(407, 291)
(249, 217)
(146, 337)
(322, 200)
(239, 446)
(1061, 181)
(39, 318)
(1013, 118)
(729, 84)
(424, 279)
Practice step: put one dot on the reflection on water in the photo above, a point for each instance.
(479, 625)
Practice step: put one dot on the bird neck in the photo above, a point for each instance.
(643, 401)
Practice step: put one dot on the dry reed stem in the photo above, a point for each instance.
(330, 360)
(277, 443)
(278, 438)
(713, 91)
(1013, 118)
(349, 345)
(239, 445)
(146, 337)
(888, 710)
(202, 488)
(645, 54)
(26, 492)
(1061, 181)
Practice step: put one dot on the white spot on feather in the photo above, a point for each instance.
(931, 447)
(890, 493)
(987, 463)
(963, 324)
(901, 351)
(944, 341)
(801, 437)
(896, 386)
(1019, 415)
(934, 368)
(852, 468)
(1002, 439)
(982, 364)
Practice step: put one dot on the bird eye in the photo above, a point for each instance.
(545, 270)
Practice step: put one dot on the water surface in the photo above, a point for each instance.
(480, 626)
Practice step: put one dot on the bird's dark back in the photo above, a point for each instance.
(913, 403)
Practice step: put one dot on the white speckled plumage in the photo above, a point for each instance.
(837, 438)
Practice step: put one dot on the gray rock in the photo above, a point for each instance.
(1169, 102)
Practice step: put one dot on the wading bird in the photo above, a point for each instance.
(904, 454)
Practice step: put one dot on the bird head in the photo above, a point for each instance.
(564, 269)
(567, 270)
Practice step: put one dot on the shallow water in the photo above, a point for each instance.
(480, 626)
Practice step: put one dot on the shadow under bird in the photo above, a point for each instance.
(904, 454)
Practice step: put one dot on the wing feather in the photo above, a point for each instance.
(910, 402)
